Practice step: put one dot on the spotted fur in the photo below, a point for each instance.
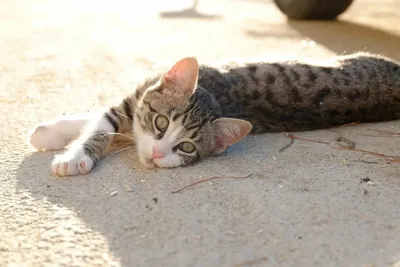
(213, 108)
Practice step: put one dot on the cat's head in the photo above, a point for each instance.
(177, 123)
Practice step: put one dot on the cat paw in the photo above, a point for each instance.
(44, 138)
(72, 163)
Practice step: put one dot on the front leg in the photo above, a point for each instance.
(84, 153)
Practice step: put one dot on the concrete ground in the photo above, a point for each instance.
(305, 206)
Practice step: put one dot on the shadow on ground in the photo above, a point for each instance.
(281, 207)
(338, 36)
(347, 37)
(188, 13)
(147, 224)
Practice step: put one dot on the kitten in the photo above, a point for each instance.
(190, 112)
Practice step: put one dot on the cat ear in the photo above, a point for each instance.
(182, 77)
(228, 132)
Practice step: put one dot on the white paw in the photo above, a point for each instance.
(45, 138)
(72, 163)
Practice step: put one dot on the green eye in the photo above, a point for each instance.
(161, 123)
(187, 147)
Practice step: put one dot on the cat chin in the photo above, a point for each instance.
(170, 161)
(167, 162)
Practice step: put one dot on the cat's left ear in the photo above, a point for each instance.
(228, 132)
(182, 77)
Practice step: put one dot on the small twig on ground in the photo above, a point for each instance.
(288, 145)
(384, 131)
(209, 179)
(391, 158)
(365, 161)
(349, 124)
(377, 135)
(290, 135)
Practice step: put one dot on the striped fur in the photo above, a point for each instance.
(213, 108)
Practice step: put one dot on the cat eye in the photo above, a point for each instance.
(161, 123)
(187, 147)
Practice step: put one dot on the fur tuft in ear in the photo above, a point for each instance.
(182, 77)
(228, 132)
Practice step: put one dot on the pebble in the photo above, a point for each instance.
(371, 183)
(274, 157)
(128, 188)
(113, 193)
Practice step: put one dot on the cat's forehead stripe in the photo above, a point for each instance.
(150, 107)
(176, 116)
(194, 134)
(173, 135)
(127, 104)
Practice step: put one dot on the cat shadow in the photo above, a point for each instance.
(142, 198)
(347, 37)
(91, 198)
(148, 223)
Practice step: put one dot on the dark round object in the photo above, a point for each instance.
(313, 9)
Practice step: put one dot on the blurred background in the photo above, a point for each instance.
(54, 49)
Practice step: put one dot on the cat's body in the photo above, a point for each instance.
(195, 103)
(294, 96)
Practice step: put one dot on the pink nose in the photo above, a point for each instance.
(157, 154)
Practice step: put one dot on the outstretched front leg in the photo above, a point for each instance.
(84, 153)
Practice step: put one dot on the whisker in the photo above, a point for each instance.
(110, 133)
(126, 136)
(104, 134)
(132, 96)
(123, 115)
(119, 151)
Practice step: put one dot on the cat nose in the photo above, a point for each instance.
(157, 154)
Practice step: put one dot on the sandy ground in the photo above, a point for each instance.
(304, 206)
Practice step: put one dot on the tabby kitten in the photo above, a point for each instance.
(191, 112)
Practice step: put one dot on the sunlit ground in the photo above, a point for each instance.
(66, 47)
(64, 56)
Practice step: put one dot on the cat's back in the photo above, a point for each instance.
(340, 70)
(307, 94)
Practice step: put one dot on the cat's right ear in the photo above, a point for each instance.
(228, 131)
(182, 77)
